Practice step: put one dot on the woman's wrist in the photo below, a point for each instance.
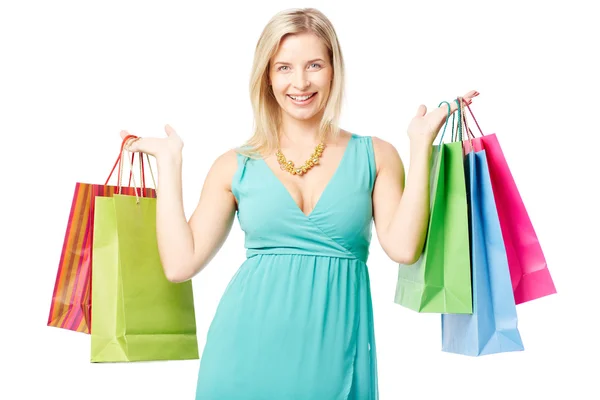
(420, 149)
(168, 157)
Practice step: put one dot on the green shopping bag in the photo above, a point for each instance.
(440, 281)
(137, 314)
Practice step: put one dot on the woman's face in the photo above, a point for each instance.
(300, 75)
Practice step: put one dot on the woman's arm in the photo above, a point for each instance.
(186, 247)
(401, 213)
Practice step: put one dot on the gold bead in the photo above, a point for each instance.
(288, 165)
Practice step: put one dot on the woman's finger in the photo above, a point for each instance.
(470, 95)
(124, 134)
(169, 130)
(421, 111)
(132, 144)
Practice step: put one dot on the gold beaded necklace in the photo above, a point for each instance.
(288, 165)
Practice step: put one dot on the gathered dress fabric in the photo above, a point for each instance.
(296, 319)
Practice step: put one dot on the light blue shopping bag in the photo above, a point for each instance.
(492, 327)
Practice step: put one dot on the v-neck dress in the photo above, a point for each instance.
(296, 319)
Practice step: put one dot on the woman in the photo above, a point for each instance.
(296, 322)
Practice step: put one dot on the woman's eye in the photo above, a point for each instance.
(316, 65)
(282, 68)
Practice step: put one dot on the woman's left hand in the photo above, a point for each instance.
(425, 126)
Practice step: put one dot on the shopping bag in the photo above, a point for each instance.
(439, 282)
(529, 271)
(137, 314)
(70, 306)
(492, 328)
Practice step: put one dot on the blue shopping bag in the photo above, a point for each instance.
(492, 327)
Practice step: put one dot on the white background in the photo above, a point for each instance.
(73, 74)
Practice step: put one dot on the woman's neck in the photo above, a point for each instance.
(299, 133)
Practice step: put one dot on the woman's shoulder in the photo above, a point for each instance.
(224, 167)
(227, 160)
(380, 146)
(384, 152)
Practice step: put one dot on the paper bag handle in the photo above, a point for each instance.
(445, 123)
(132, 176)
(118, 164)
(125, 139)
(474, 120)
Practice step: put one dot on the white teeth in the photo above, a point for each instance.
(301, 98)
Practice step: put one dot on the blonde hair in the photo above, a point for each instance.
(267, 112)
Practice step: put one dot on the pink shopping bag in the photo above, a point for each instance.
(529, 272)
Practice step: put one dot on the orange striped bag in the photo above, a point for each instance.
(70, 307)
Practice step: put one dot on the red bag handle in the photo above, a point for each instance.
(118, 162)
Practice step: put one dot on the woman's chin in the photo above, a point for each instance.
(303, 116)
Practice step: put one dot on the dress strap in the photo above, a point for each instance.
(365, 159)
(236, 182)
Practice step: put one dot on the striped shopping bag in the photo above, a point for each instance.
(70, 307)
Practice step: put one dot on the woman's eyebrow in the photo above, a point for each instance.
(308, 62)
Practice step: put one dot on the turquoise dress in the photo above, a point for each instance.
(296, 320)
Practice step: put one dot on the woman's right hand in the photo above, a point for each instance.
(170, 146)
